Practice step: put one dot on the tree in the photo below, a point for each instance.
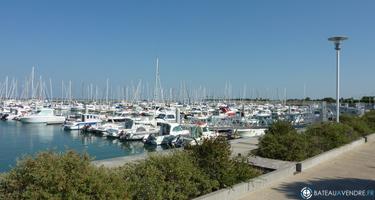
(367, 99)
(329, 100)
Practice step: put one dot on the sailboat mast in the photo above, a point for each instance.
(106, 98)
(32, 82)
(156, 92)
(50, 87)
(6, 87)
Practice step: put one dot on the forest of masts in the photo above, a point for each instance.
(35, 87)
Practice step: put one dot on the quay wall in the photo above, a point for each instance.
(239, 190)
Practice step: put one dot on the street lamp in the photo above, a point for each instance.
(337, 40)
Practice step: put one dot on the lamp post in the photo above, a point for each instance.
(337, 40)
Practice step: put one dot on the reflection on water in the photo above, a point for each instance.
(149, 147)
(84, 138)
(133, 147)
(45, 133)
(17, 139)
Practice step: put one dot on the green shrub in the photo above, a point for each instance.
(213, 157)
(280, 128)
(289, 146)
(174, 176)
(242, 171)
(369, 119)
(282, 142)
(60, 176)
(178, 175)
(326, 136)
(358, 124)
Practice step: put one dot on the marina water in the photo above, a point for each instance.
(18, 139)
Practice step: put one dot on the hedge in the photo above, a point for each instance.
(180, 175)
(281, 141)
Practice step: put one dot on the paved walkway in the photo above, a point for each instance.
(243, 146)
(354, 170)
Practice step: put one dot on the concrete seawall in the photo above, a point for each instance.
(238, 190)
(242, 189)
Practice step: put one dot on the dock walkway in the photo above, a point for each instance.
(354, 170)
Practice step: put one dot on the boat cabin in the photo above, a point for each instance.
(170, 129)
(89, 117)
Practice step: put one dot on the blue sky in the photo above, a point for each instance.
(265, 45)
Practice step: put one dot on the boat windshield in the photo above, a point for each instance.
(165, 129)
(177, 128)
(44, 112)
(129, 123)
(170, 116)
(160, 116)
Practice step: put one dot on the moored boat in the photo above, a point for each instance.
(86, 120)
(44, 115)
(168, 132)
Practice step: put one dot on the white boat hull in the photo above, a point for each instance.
(138, 135)
(43, 119)
(79, 125)
(164, 139)
(250, 132)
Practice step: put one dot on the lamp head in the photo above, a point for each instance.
(337, 40)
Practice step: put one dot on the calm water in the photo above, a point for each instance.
(17, 139)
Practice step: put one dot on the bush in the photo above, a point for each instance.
(290, 146)
(358, 124)
(369, 119)
(213, 157)
(242, 171)
(326, 136)
(60, 176)
(280, 128)
(282, 142)
(173, 176)
(179, 175)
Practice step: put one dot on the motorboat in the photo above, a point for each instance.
(43, 115)
(102, 129)
(199, 132)
(165, 117)
(83, 122)
(133, 129)
(139, 132)
(250, 132)
(168, 132)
